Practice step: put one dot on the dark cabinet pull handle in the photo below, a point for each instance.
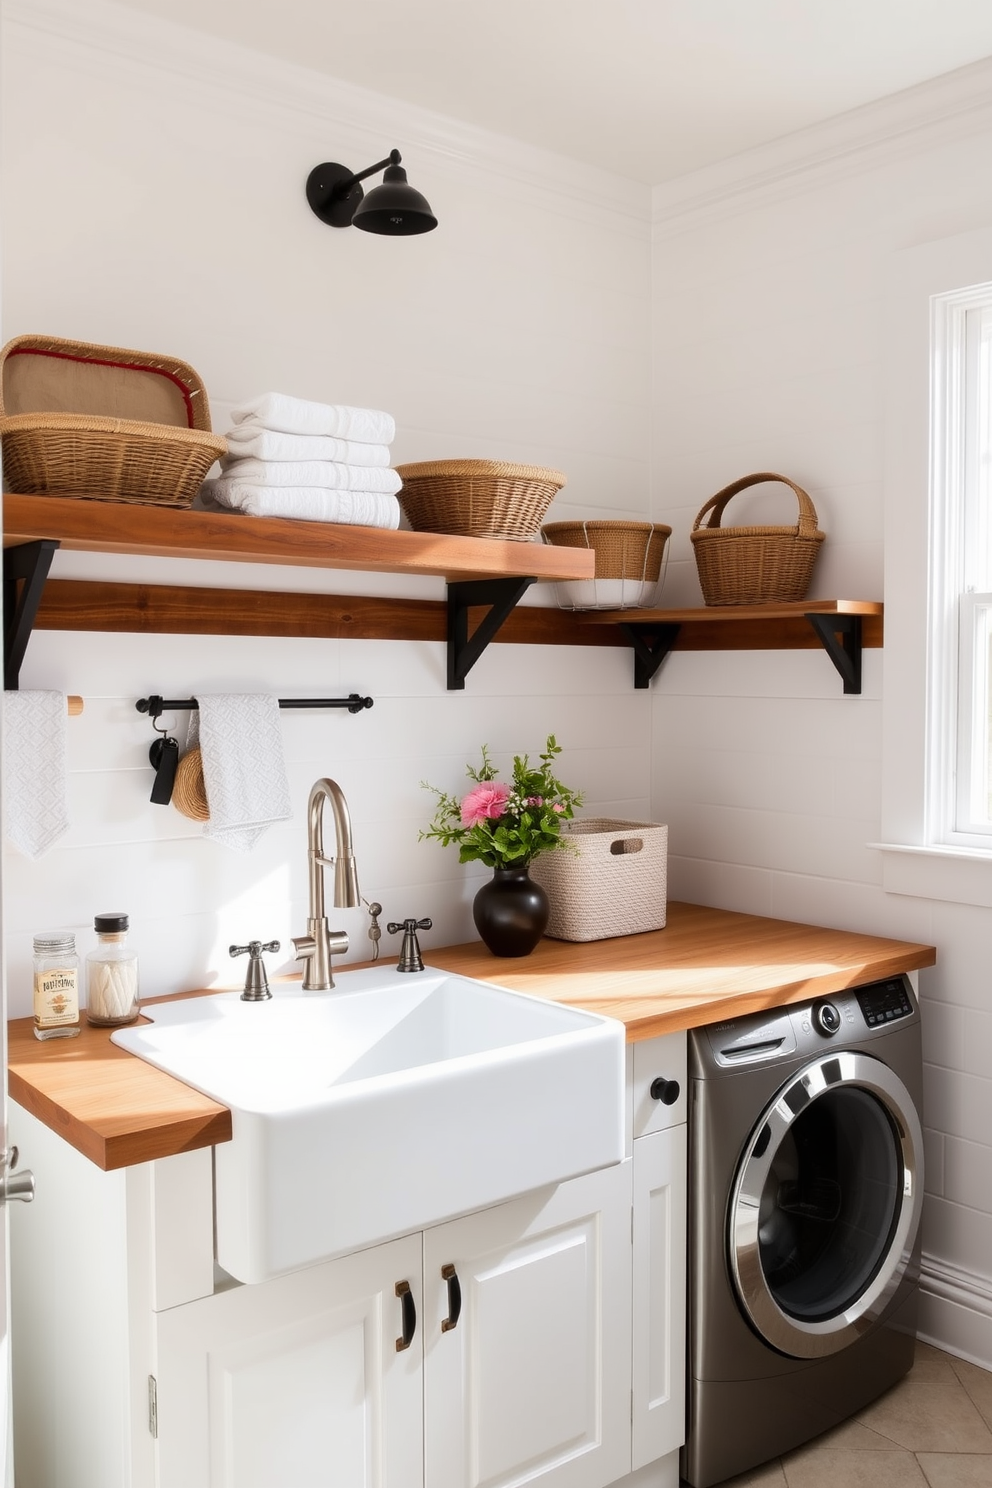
(450, 1275)
(666, 1091)
(409, 1316)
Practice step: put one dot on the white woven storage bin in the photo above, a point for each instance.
(615, 882)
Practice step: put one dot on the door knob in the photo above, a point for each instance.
(14, 1185)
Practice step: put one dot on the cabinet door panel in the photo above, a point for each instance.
(658, 1425)
(533, 1382)
(296, 1381)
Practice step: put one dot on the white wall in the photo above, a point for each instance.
(770, 297)
(156, 201)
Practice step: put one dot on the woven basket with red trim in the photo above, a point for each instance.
(103, 422)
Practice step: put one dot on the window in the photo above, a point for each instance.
(959, 794)
(936, 828)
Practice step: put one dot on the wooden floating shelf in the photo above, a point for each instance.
(169, 532)
(481, 575)
(843, 627)
(772, 627)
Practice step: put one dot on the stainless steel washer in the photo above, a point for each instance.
(805, 1189)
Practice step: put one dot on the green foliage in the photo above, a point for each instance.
(505, 826)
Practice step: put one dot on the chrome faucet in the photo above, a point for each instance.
(316, 947)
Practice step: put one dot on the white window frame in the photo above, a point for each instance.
(924, 854)
(960, 574)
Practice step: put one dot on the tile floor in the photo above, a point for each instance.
(932, 1430)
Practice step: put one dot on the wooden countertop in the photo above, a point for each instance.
(706, 965)
(113, 1107)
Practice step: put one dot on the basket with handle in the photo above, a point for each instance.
(610, 879)
(755, 565)
(78, 419)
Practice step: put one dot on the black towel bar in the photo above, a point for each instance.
(155, 705)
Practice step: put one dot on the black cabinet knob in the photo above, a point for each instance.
(666, 1091)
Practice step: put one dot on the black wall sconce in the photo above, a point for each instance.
(393, 209)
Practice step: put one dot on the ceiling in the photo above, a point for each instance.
(647, 89)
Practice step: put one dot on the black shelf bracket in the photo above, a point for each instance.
(840, 636)
(25, 569)
(652, 641)
(502, 596)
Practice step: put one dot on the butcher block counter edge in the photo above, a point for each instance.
(707, 965)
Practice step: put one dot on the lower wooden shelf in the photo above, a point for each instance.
(485, 580)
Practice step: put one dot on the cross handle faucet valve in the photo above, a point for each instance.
(410, 957)
(256, 979)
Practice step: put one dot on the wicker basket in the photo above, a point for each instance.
(103, 422)
(755, 565)
(189, 793)
(628, 562)
(477, 498)
(615, 882)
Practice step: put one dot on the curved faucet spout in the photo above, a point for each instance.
(315, 948)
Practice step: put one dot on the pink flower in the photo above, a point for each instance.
(488, 799)
(535, 800)
(558, 807)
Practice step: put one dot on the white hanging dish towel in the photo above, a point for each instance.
(244, 772)
(36, 813)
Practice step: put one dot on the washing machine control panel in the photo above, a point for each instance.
(885, 1002)
(826, 1019)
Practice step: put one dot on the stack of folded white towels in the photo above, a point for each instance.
(320, 462)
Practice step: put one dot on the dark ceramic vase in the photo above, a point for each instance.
(511, 912)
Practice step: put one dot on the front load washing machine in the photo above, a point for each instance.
(806, 1182)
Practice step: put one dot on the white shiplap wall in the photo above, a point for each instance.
(519, 329)
(771, 275)
(522, 328)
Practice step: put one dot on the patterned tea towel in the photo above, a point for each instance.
(34, 776)
(244, 773)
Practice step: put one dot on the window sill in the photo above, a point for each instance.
(958, 874)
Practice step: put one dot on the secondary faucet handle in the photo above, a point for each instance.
(256, 979)
(410, 957)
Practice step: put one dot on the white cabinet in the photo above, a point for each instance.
(563, 1367)
(295, 1382)
(298, 1381)
(658, 1415)
(527, 1339)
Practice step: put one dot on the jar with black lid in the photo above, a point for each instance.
(111, 974)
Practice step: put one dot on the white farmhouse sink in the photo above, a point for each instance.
(390, 1104)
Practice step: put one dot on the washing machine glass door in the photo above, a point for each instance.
(826, 1204)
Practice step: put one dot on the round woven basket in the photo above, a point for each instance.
(189, 794)
(755, 565)
(624, 550)
(477, 498)
(105, 422)
(74, 454)
(628, 563)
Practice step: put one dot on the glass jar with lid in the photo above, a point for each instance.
(56, 985)
(111, 974)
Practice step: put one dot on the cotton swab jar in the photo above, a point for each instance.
(111, 974)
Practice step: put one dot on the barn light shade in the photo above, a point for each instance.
(393, 209)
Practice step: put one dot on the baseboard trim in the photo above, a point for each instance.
(956, 1311)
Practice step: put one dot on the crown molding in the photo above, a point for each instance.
(98, 35)
(941, 110)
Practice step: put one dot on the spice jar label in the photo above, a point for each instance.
(56, 997)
